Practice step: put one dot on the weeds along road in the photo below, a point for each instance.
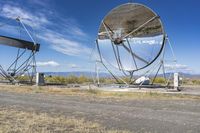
(148, 115)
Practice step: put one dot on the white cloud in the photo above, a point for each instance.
(58, 38)
(42, 3)
(73, 66)
(78, 31)
(9, 29)
(178, 67)
(64, 45)
(70, 27)
(12, 12)
(48, 63)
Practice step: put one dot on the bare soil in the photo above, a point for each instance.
(134, 115)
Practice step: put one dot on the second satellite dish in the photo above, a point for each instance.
(130, 37)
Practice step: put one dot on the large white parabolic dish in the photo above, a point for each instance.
(130, 37)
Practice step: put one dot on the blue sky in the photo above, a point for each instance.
(67, 29)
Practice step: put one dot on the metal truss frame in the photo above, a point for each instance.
(20, 66)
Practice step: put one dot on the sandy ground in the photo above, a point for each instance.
(150, 115)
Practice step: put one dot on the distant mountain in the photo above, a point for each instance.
(91, 74)
(78, 74)
(184, 75)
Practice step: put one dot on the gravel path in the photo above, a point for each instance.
(159, 116)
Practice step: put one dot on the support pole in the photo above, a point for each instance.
(18, 19)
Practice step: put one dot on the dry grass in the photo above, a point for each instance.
(14, 121)
(146, 96)
(96, 93)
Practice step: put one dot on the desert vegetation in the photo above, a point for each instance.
(85, 80)
(71, 79)
(68, 80)
(194, 81)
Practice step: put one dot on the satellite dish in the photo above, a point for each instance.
(130, 38)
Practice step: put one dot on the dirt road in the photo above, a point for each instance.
(162, 116)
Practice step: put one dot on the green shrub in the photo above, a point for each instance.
(195, 82)
(160, 80)
(23, 78)
(56, 79)
(68, 80)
